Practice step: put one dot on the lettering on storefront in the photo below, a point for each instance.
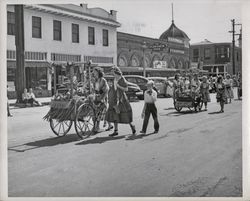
(170, 39)
(159, 64)
(157, 47)
(177, 51)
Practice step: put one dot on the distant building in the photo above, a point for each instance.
(60, 33)
(161, 57)
(216, 58)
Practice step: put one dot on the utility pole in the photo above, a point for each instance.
(20, 59)
(233, 43)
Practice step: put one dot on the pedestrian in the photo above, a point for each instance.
(228, 89)
(8, 107)
(204, 90)
(220, 96)
(150, 97)
(110, 99)
(195, 91)
(239, 91)
(119, 110)
(101, 89)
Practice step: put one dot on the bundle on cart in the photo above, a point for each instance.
(62, 110)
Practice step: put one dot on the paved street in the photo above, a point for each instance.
(194, 154)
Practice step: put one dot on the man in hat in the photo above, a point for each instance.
(150, 96)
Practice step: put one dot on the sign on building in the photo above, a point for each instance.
(157, 47)
(160, 64)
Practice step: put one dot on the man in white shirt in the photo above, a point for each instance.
(150, 96)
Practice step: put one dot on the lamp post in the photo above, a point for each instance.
(144, 46)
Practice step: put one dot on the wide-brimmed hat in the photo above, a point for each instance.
(117, 70)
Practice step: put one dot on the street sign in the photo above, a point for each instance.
(157, 47)
(160, 64)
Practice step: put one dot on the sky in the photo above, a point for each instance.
(199, 19)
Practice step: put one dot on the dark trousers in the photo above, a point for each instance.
(150, 109)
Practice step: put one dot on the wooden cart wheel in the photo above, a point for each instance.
(176, 107)
(60, 128)
(85, 120)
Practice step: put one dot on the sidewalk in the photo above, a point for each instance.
(43, 100)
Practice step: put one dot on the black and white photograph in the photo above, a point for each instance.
(134, 99)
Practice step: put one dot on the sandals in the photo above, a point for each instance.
(109, 128)
(115, 133)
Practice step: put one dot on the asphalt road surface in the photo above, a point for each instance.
(194, 154)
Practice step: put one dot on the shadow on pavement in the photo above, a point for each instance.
(218, 112)
(140, 136)
(99, 140)
(45, 143)
(170, 108)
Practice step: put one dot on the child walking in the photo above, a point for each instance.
(150, 96)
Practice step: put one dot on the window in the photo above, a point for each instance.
(228, 53)
(75, 33)
(195, 55)
(105, 37)
(91, 34)
(36, 27)
(207, 53)
(57, 28)
(10, 23)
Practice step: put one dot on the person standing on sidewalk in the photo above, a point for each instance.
(150, 96)
(204, 90)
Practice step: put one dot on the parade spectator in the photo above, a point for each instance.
(101, 96)
(220, 96)
(150, 97)
(228, 89)
(32, 98)
(204, 90)
(186, 85)
(177, 86)
(119, 110)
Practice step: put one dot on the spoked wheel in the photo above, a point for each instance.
(85, 121)
(60, 128)
(177, 107)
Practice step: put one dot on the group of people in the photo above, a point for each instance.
(114, 106)
(198, 89)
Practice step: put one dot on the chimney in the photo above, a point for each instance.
(113, 13)
(84, 5)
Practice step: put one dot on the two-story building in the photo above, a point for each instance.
(216, 58)
(162, 56)
(55, 33)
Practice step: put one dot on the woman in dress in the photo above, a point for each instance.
(228, 90)
(204, 90)
(119, 110)
(101, 89)
(195, 91)
(220, 96)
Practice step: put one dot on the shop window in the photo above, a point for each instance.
(75, 33)
(91, 35)
(10, 23)
(36, 77)
(36, 27)
(105, 37)
(57, 30)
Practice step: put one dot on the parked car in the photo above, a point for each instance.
(139, 80)
(134, 90)
(160, 84)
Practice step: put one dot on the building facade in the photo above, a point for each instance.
(216, 58)
(60, 34)
(160, 57)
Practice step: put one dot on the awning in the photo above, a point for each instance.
(31, 64)
(136, 69)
